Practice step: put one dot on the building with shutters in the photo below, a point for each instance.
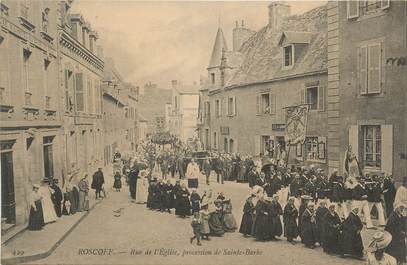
(81, 75)
(183, 111)
(367, 84)
(30, 113)
(283, 64)
(120, 100)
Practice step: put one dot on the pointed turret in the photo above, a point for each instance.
(220, 44)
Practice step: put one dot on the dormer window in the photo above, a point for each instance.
(288, 56)
(292, 44)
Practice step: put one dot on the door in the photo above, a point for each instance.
(8, 204)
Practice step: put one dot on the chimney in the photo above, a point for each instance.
(278, 10)
(240, 35)
(174, 83)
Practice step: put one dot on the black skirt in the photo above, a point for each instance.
(246, 224)
(36, 221)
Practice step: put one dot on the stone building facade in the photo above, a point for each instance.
(367, 84)
(30, 113)
(120, 105)
(244, 97)
(81, 72)
(183, 111)
(52, 117)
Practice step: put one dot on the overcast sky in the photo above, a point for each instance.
(162, 41)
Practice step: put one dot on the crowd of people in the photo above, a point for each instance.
(48, 201)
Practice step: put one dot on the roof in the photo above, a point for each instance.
(218, 47)
(262, 58)
(295, 37)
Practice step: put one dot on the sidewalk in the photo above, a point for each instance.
(34, 245)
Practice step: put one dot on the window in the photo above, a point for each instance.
(176, 102)
(266, 104)
(266, 144)
(314, 97)
(372, 146)
(370, 60)
(231, 106)
(311, 148)
(48, 158)
(215, 140)
(90, 96)
(207, 111)
(217, 108)
(356, 9)
(288, 56)
(80, 101)
(26, 70)
(212, 78)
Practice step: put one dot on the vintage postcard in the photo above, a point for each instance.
(203, 132)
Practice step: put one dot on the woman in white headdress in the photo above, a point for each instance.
(142, 188)
(47, 205)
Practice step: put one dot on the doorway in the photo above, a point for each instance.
(8, 202)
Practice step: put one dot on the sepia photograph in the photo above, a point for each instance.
(203, 132)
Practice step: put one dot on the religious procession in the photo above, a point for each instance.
(302, 204)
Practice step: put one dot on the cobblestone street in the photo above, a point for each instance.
(138, 229)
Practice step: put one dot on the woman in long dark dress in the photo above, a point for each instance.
(290, 221)
(274, 218)
(184, 205)
(261, 227)
(36, 219)
(215, 220)
(229, 221)
(351, 240)
(396, 226)
(248, 215)
(320, 219)
(331, 231)
(117, 181)
(56, 197)
(309, 226)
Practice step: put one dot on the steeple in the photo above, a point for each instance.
(220, 44)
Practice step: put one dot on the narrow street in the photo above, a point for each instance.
(126, 237)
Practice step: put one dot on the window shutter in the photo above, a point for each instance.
(222, 107)
(302, 96)
(227, 112)
(374, 73)
(272, 104)
(354, 139)
(385, 4)
(321, 98)
(79, 91)
(363, 70)
(387, 148)
(321, 144)
(353, 9)
(258, 105)
(299, 152)
(257, 145)
(234, 105)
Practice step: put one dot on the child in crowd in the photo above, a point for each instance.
(196, 227)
